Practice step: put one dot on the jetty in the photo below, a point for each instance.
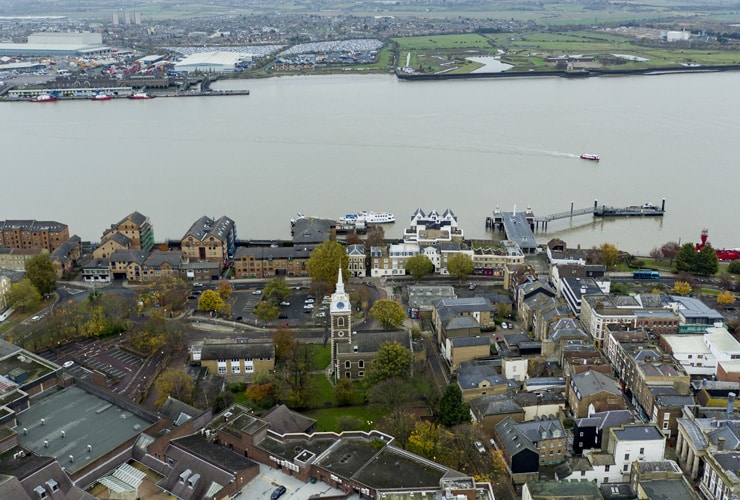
(500, 220)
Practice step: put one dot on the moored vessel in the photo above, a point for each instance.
(141, 95)
(369, 217)
(44, 98)
(100, 97)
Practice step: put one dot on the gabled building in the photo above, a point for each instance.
(574, 289)
(433, 228)
(588, 432)
(238, 361)
(357, 260)
(529, 445)
(591, 391)
(481, 378)
(136, 228)
(490, 410)
(211, 240)
(354, 358)
(116, 241)
(558, 254)
(161, 264)
(128, 264)
(67, 256)
(447, 315)
(491, 261)
(312, 231)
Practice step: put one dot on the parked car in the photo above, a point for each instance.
(239, 318)
(279, 491)
(257, 292)
(479, 446)
(472, 286)
(308, 306)
(197, 285)
(321, 315)
(503, 325)
(309, 301)
(285, 303)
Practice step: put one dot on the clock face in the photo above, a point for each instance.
(341, 334)
(340, 305)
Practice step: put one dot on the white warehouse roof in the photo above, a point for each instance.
(212, 61)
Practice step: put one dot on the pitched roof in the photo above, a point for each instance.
(206, 227)
(370, 342)
(212, 351)
(130, 256)
(591, 382)
(283, 420)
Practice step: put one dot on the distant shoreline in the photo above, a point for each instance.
(586, 73)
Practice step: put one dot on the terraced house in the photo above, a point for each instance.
(260, 262)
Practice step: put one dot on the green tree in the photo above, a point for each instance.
(452, 409)
(266, 311)
(419, 266)
(344, 392)
(390, 313)
(399, 424)
(23, 295)
(707, 263)
(210, 301)
(276, 290)
(609, 254)
(325, 260)
(460, 265)
(40, 270)
(295, 385)
(686, 258)
(175, 383)
(391, 360)
(284, 342)
(225, 289)
(734, 267)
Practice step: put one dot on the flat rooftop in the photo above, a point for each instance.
(394, 469)
(85, 420)
(292, 448)
(349, 455)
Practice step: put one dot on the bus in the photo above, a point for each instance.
(646, 274)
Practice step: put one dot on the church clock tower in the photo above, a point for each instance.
(340, 312)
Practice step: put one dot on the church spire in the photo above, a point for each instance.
(340, 283)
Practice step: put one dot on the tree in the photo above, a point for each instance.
(686, 258)
(707, 262)
(169, 291)
(391, 392)
(284, 342)
(266, 312)
(40, 270)
(656, 254)
(670, 250)
(419, 266)
(428, 440)
(460, 265)
(225, 290)
(175, 383)
(349, 423)
(681, 288)
(344, 392)
(609, 254)
(23, 295)
(210, 301)
(325, 261)
(391, 360)
(725, 299)
(296, 387)
(734, 267)
(276, 290)
(375, 236)
(399, 424)
(452, 409)
(390, 313)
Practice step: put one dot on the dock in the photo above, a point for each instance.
(499, 219)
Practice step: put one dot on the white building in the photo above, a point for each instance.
(433, 228)
(722, 344)
(692, 352)
(212, 62)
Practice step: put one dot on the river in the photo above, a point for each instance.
(327, 145)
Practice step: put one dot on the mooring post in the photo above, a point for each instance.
(571, 209)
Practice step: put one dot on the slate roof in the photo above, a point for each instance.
(62, 252)
(214, 454)
(606, 419)
(370, 342)
(177, 411)
(469, 341)
(310, 230)
(121, 239)
(32, 225)
(212, 351)
(667, 489)
(158, 257)
(205, 227)
(261, 253)
(469, 376)
(283, 420)
(591, 382)
(130, 256)
(511, 439)
(638, 433)
(498, 404)
(356, 250)
(448, 308)
(461, 322)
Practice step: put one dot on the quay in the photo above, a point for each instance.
(114, 93)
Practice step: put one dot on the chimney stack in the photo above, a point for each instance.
(731, 404)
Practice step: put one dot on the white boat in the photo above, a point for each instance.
(369, 218)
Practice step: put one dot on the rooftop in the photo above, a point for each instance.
(394, 468)
(638, 433)
(75, 423)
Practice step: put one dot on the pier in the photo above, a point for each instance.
(498, 221)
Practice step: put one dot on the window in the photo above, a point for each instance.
(235, 368)
(347, 364)
(606, 468)
(360, 374)
(361, 364)
(642, 451)
(340, 321)
(347, 374)
(580, 434)
(626, 468)
(626, 456)
(583, 473)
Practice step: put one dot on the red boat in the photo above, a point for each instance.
(100, 97)
(587, 156)
(141, 95)
(722, 253)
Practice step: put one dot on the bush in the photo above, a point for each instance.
(238, 387)
(349, 423)
(734, 267)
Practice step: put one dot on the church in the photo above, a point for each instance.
(352, 353)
